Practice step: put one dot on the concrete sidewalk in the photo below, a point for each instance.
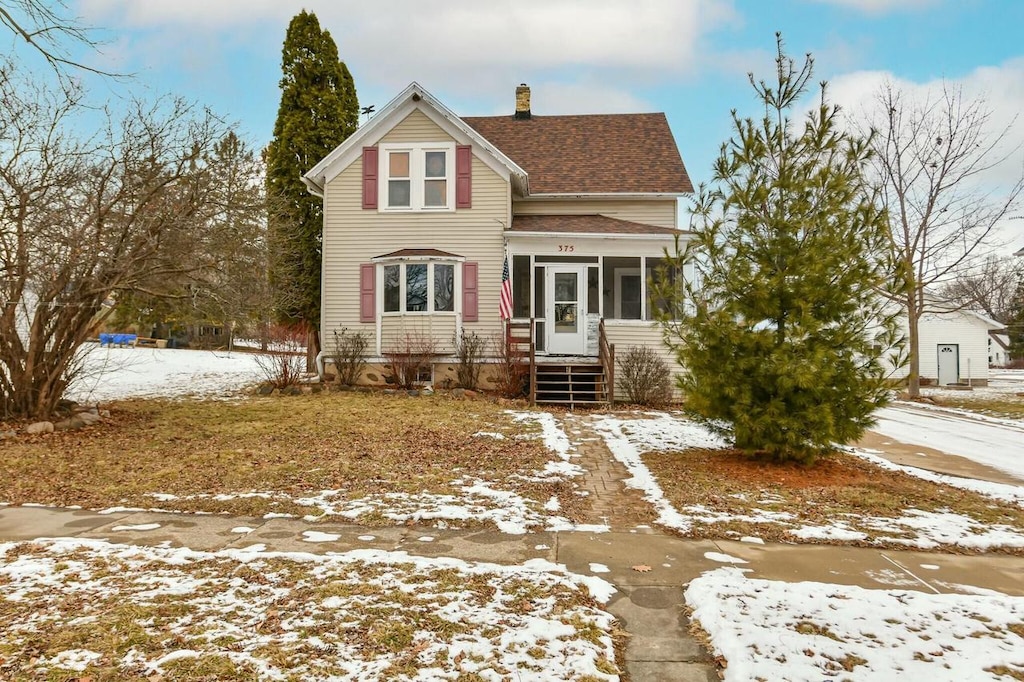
(648, 603)
(673, 561)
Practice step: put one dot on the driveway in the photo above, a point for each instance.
(992, 442)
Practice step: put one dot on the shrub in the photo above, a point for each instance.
(645, 377)
(349, 355)
(469, 348)
(513, 375)
(283, 365)
(412, 357)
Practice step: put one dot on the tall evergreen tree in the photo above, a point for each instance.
(318, 111)
(781, 331)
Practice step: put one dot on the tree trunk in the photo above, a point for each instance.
(913, 342)
(312, 348)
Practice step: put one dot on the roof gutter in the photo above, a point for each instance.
(610, 195)
(312, 187)
(510, 234)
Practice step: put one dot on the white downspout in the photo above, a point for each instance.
(320, 365)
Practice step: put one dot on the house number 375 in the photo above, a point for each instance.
(566, 248)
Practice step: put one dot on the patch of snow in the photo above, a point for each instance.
(836, 531)
(317, 536)
(997, 491)
(805, 631)
(723, 558)
(117, 373)
(367, 538)
(752, 540)
(242, 529)
(72, 659)
(138, 526)
(929, 567)
(489, 434)
(599, 568)
(426, 538)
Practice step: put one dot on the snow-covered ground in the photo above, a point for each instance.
(628, 439)
(1003, 384)
(116, 373)
(769, 630)
(995, 442)
(363, 615)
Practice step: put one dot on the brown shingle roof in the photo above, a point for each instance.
(594, 153)
(583, 224)
(419, 252)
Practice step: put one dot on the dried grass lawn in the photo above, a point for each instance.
(358, 444)
(838, 487)
(1005, 407)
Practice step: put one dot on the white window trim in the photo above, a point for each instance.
(630, 272)
(428, 261)
(417, 176)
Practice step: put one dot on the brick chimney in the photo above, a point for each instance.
(523, 101)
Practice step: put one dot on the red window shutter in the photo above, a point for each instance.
(367, 291)
(470, 292)
(463, 176)
(370, 173)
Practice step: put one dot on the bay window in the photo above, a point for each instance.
(412, 287)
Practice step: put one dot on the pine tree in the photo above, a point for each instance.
(1015, 324)
(781, 332)
(318, 111)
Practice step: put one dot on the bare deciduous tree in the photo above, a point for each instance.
(49, 29)
(931, 156)
(991, 288)
(84, 218)
(229, 287)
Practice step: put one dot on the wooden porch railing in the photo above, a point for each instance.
(525, 347)
(606, 354)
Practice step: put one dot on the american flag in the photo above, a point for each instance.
(505, 307)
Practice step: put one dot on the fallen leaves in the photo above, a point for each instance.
(642, 568)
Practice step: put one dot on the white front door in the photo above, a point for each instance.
(949, 363)
(564, 311)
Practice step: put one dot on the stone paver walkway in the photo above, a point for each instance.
(650, 609)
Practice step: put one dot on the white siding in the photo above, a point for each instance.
(631, 333)
(661, 212)
(353, 236)
(966, 331)
(400, 333)
(963, 329)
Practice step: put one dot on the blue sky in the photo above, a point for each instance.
(688, 58)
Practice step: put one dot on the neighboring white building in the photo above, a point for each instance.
(954, 348)
(998, 349)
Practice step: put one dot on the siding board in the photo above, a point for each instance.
(352, 236)
(626, 334)
(654, 212)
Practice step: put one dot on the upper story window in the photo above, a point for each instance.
(417, 177)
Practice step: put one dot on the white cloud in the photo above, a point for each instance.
(1000, 87)
(473, 50)
(879, 6)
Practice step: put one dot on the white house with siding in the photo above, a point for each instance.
(954, 347)
(423, 209)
